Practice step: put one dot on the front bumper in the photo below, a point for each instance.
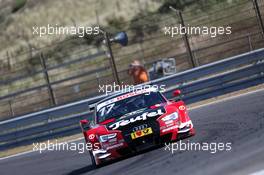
(170, 133)
(178, 132)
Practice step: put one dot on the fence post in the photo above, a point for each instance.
(186, 38)
(8, 60)
(97, 17)
(142, 50)
(258, 15)
(97, 78)
(11, 109)
(249, 43)
(46, 75)
(112, 60)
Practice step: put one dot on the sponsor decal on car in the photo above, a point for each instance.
(182, 107)
(107, 147)
(141, 133)
(170, 128)
(91, 136)
(143, 116)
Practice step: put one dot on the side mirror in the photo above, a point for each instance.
(85, 125)
(91, 107)
(176, 93)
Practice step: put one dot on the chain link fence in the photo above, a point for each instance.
(73, 69)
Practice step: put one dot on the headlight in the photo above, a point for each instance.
(172, 116)
(105, 138)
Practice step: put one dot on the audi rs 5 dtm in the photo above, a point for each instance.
(130, 122)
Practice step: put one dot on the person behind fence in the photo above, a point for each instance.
(138, 72)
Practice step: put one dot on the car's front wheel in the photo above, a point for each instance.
(94, 164)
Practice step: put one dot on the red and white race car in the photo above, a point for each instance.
(129, 122)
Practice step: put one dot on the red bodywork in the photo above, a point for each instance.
(116, 147)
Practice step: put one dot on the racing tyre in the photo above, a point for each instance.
(94, 165)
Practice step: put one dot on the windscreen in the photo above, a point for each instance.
(128, 105)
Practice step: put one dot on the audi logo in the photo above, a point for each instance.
(140, 127)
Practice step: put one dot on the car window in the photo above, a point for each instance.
(128, 105)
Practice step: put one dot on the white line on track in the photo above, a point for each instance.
(199, 106)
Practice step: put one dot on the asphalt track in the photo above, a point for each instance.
(239, 121)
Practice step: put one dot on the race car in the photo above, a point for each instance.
(129, 122)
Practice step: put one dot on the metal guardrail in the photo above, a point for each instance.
(200, 83)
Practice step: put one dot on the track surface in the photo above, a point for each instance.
(238, 120)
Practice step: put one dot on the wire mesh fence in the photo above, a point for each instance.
(76, 67)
